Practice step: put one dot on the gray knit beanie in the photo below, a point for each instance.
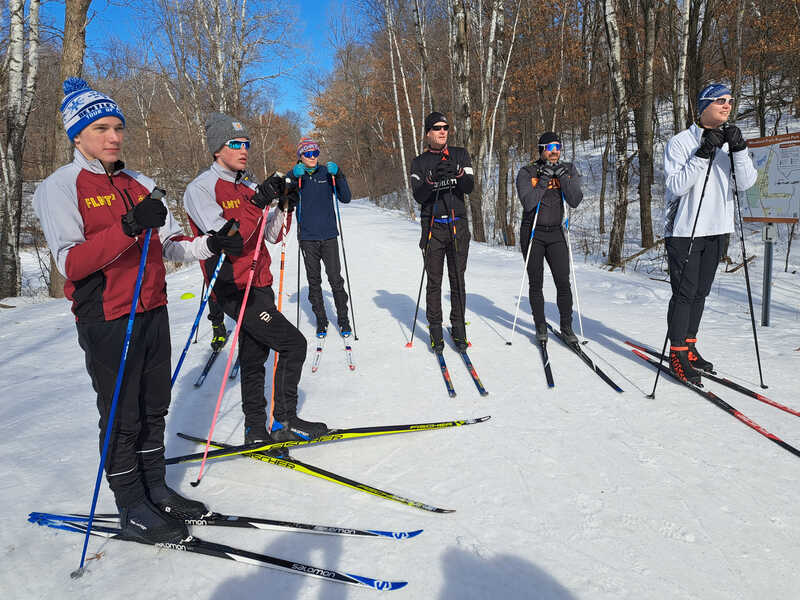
(221, 128)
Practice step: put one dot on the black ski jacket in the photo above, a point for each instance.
(532, 191)
(438, 198)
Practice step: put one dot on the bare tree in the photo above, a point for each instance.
(622, 163)
(73, 48)
(22, 64)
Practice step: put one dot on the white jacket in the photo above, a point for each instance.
(685, 174)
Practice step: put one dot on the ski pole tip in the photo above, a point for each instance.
(651, 396)
(77, 573)
(508, 343)
(409, 344)
(195, 483)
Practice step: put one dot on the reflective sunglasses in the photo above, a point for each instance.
(440, 127)
(552, 146)
(237, 144)
(720, 101)
(311, 154)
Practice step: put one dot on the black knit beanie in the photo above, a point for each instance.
(546, 138)
(432, 119)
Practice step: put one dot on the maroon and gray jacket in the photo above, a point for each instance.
(80, 208)
(214, 197)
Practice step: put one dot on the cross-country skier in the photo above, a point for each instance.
(317, 230)
(94, 213)
(440, 177)
(543, 187)
(218, 195)
(688, 156)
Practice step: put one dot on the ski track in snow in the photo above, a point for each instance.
(571, 493)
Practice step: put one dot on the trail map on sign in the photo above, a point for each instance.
(776, 192)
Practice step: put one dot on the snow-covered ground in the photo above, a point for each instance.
(574, 492)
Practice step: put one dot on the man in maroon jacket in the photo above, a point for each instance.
(94, 213)
(225, 192)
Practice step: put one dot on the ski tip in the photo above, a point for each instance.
(484, 393)
(396, 535)
(378, 584)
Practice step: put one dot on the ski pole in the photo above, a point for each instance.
(203, 302)
(280, 304)
(574, 275)
(746, 270)
(424, 268)
(202, 293)
(344, 255)
(462, 300)
(117, 387)
(232, 350)
(524, 272)
(683, 267)
(297, 216)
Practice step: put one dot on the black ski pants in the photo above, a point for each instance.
(135, 459)
(215, 314)
(688, 301)
(444, 245)
(264, 328)
(327, 253)
(548, 243)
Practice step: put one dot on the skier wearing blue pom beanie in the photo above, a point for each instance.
(699, 212)
(94, 213)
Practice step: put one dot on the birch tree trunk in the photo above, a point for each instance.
(419, 28)
(73, 49)
(459, 54)
(679, 90)
(617, 236)
(390, 34)
(22, 72)
(646, 124)
(737, 79)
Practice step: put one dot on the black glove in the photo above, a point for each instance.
(149, 213)
(545, 174)
(268, 191)
(711, 140)
(560, 170)
(733, 135)
(289, 201)
(445, 169)
(227, 239)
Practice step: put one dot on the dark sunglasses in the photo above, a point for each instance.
(311, 154)
(552, 147)
(440, 127)
(720, 101)
(237, 144)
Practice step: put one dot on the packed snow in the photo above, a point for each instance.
(576, 492)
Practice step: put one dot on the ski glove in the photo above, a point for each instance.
(711, 140)
(149, 213)
(227, 239)
(268, 191)
(545, 174)
(560, 170)
(298, 170)
(445, 170)
(733, 135)
(333, 168)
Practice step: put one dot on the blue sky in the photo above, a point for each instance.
(313, 22)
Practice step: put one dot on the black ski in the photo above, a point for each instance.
(288, 462)
(548, 372)
(220, 520)
(448, 382)
(198, 546)
(720, 403)
(576, 348)
(470, 368)
(210, 362)
(234, 369)
(721, 380)
(333, 435)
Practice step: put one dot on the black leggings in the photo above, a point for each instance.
(687, 303)
(327, 252)
(550, 244)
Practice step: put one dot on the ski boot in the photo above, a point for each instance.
(681, 367)
(295, 428)
(541, 333)
(697, 361)
(437, 338)
(459, 335)
(176, 506)
(143, 522)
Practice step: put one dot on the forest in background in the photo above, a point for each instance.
(503, 71)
